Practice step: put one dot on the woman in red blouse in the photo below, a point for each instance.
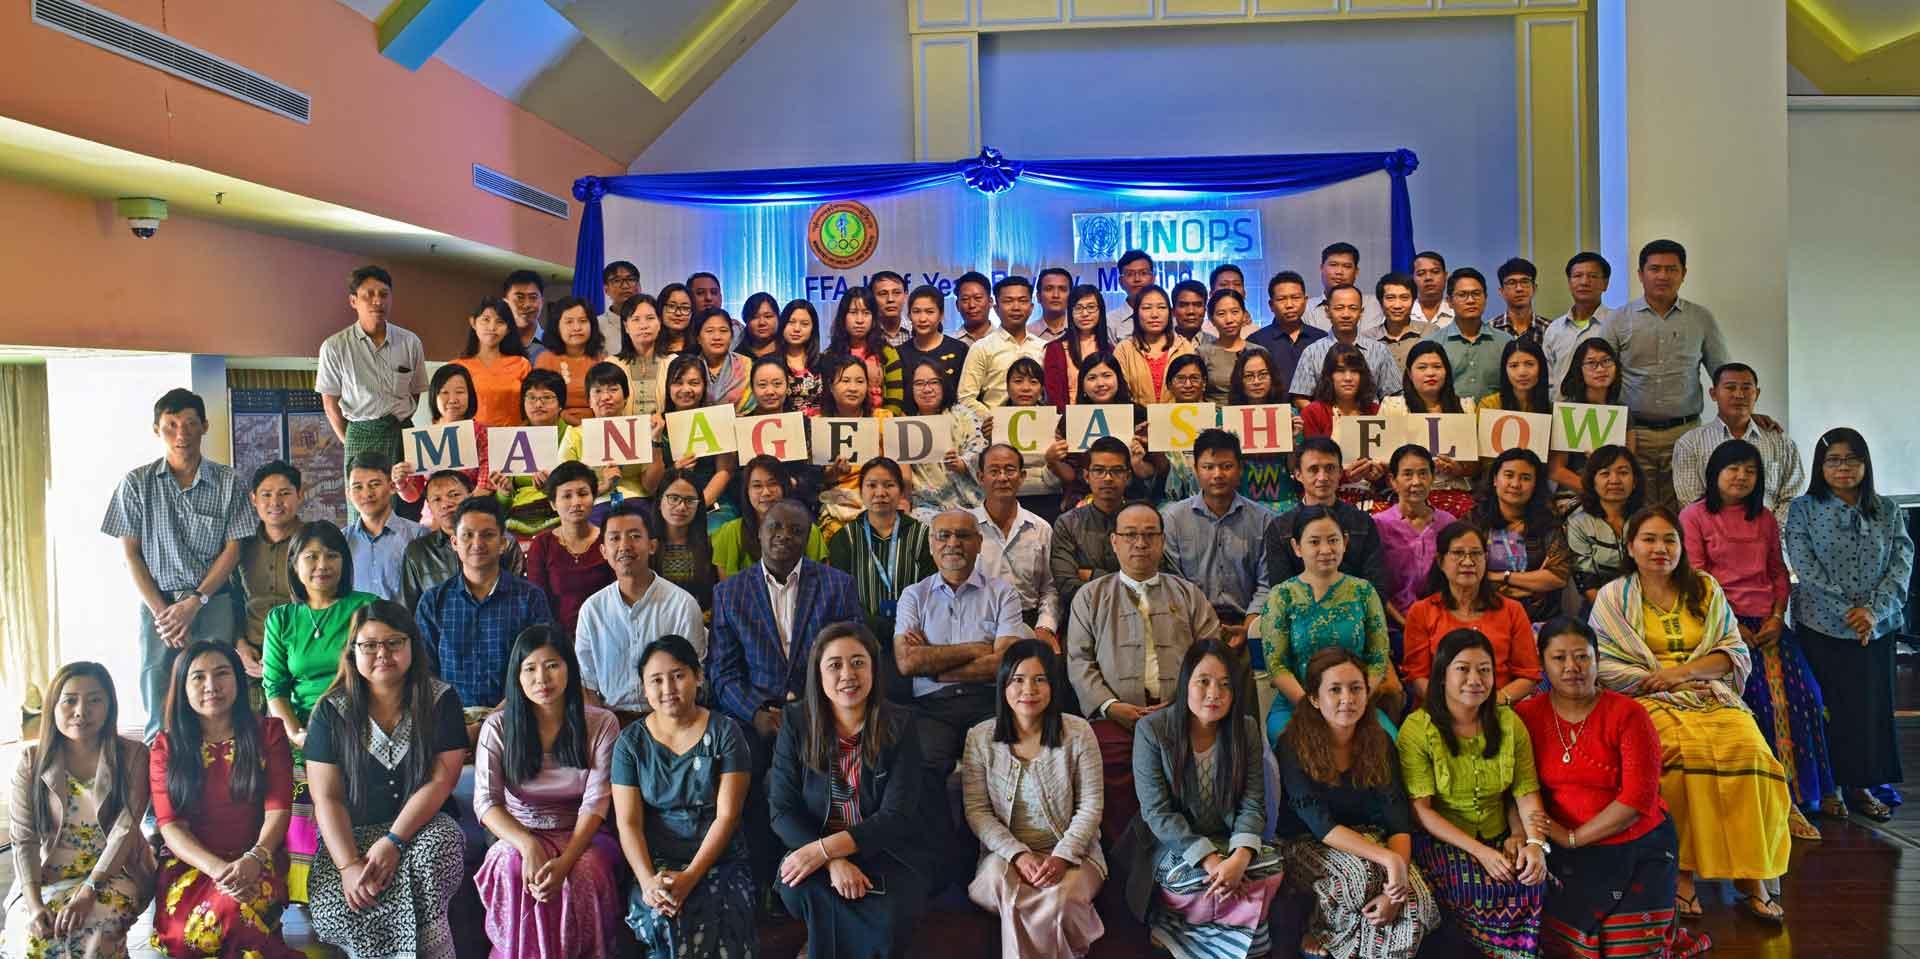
(222, 796)
(565, 561)
(1615, 861)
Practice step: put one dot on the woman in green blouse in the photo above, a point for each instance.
(303, 643)
(1468, 766)
(1321, 608)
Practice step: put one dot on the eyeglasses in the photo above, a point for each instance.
(1461, 555)
(1137, 274)
(679, 499)
(390, 646)
(1844, 462)
(1597, 363)
(953, 535)
(1138, 535)
(1468, 295)
(1108, 472)
(1189, 378)
(1003, 472)
(680, 310)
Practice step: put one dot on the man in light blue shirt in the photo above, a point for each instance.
(949, 632)
(1343, 312)
(1216, 539)
(1588, 274)
(638, 607)
(377, 537)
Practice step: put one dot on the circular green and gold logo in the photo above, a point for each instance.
(843, 234)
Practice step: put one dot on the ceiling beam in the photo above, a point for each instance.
(411, 31)
(707, 46)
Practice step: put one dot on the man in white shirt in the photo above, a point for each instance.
(1136, 274)
(1430, 303)
(1587, 276)
(638, 607)
(371, 374)
(1340, 266)
(1015, 544)
(983, 378)
(620, 281)
(1736, 389)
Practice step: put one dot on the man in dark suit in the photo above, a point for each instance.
(765, 619)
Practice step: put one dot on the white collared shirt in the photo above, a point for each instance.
(1441, 317)
(983, 377)
(785, 599)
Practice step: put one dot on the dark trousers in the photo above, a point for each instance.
(1858, 683)
(763, 848)
(941, 721)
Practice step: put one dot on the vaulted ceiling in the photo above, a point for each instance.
(614, 73)
(1856, 47)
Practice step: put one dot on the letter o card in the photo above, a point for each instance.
(1501, 430)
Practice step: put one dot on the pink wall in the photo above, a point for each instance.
(201, 286)
(382, 139)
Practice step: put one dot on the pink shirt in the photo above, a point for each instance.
(555, 799)
(1743, 554)
(1409, 553)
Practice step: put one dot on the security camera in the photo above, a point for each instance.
(142, 213)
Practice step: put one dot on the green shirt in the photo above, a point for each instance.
(730, 552)
(1468, 788)
(303, 649)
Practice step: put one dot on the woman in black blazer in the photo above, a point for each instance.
(845, 777)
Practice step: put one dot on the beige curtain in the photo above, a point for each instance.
(269, 379)
(28, 650)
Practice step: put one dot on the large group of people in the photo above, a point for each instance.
(1280, 703)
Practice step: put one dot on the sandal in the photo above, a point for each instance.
(1688, 907)
(1764, 909)
(1872, 808)
(1800, 827)
(1833, 807)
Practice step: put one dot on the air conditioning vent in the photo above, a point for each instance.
(508, 188)
(109, 31)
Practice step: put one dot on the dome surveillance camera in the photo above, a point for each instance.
(142, 213)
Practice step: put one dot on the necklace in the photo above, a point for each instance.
(321, 618)
(1566, 743)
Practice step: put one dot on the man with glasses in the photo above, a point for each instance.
(1736, 389)
(1663, 341)
(1136, 274)
(1473, 348)
(1082, 548)
(471, 620)
(1587, 276)
(621, 282)
(525, 294)
(1125, 640)
(1340, 266)
(371, 374)
(1519, 279)
(1288, 336)
(1015, 543)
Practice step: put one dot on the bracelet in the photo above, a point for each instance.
(399, 845)
(822, 843)
(1573, 840)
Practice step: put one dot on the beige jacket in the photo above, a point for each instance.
(1070, 787)
(1106, 654)
(33, 843)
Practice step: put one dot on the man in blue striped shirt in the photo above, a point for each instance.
(471, 620)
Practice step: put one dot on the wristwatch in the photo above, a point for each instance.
(1545, 846)
(197, 594)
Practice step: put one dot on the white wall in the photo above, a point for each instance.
(1705, 85)
(826, 85)
(1855, 230)
(1442, 88)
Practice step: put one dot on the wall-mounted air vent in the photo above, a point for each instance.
(508, 188)
(111, 32)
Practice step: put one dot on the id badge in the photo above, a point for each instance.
(887, 607)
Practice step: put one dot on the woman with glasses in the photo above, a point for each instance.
(1460, 596)
(386, 746)
(1850, 548)
(884, 549)
(1265, 478)
(764, 481)
(948, 483)
(684, 554)
(676, 319)
(1186, 383)
(1594, 378)
(1086, 336)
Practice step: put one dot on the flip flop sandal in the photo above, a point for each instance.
(1801, 827)
(1873, 809)
(1756, 907)
(1688, 907)
(1833, 807)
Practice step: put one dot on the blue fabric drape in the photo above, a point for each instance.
(990, 172)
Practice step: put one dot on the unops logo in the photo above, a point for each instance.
(843, 234)
(1099, 237)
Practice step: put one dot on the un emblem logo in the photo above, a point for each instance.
(1100, 238)
(843, 234)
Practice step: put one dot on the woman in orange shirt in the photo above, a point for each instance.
(574, 344)
(496, 361)
(1460, 596)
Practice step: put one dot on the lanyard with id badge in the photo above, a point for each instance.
(883, 571)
